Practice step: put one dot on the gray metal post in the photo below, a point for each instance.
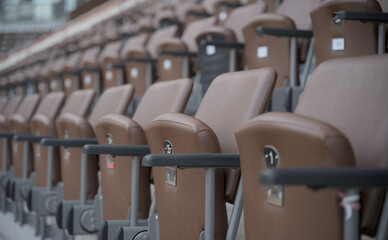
(152, 208)
(381, 47)
(236, 214)
(209, 203)
(382, 232)
(232, 60)
(293, 61)
(76, 83)
(5, 154)
(185, 67)
(97, 84)
(135, 190)
(351, 225)
(25, 159)
(50, 156)
(120, 77)
(148, 74)
(277, 3)
(307, 66)
(84, 178)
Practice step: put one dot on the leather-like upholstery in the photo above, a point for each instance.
(10, 108)
(186, 43)
(360, 38)
(170, 96)
(231, 99)
(89, 60)
(112, 100)
(71, 79)
(110, 55)
(19, 123)
(78, 103)
(336, 123)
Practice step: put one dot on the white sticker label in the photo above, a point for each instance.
(41, 87)
(108, 75)
(53, 85)
(87, 80)
(338, 44)
(223, 16)
(134, 72)
(210, 50)
(167, 64)
(262, 52)
(67, 83)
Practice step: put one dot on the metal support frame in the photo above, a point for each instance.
(186, 66)
(135, 190)
(381, 41)
(120, 76)
(148, 74)
(49, 183)
(232, 59)
(97, 83)
(309, 60)
(84, 178)
(236, 214)
(26, 150)
(351, 225)
(5, 155)
(293, 61)
(209, 203)
(382, 232)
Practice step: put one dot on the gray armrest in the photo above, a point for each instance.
(75, 142)
(377, 17)
(195, 160)
(223, 44)
(6, 134)
(178, 53)
(283, 32)
(123, 150)
(21, 137)
(140, 59)
(327, 177)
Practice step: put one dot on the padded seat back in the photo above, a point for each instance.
(10, 108)
(348, 39)
(332, 127)
(117, 129)
(231, 99)
(71, 77)
(69, 125)
(91, 74)
(274, 51)
(110, 55)
(19, 123)
(78, 103)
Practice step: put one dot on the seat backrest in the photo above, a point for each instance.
(157, 36)
(12, 106)
(231, 99)
(51, 104)
(111, 55)
(193, 30)
(346, 112)
(3, 103)
(28, 106)
(348, 39)
(89, 57)
(162, 97)
(79, 102)
(112, 100)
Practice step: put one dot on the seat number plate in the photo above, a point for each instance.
(170, 176)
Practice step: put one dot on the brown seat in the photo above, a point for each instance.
(112, 75)
(19, 123)
(348, 39)
(90, 72)
(71, 77)
(172, 67)
(180, 208)
(324, 132)
(10, 108)
(113, 100)
(77, 103)
(137, 73)
(274, 51)
(3, 103)
(56, 81)
(160, 98)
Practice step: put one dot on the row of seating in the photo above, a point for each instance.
(65, 182)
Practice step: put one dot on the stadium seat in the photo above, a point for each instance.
(323, 134)
(180, 190)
